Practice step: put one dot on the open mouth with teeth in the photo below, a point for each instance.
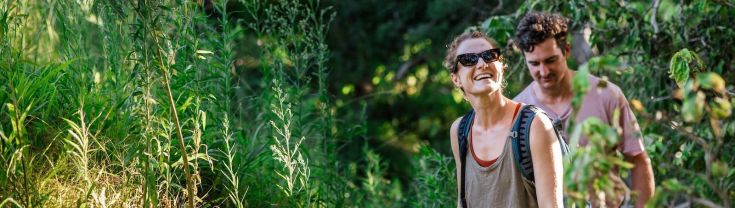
(483, 76)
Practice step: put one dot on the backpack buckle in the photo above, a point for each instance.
(557, 124)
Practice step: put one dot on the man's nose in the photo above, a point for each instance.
(543, 70)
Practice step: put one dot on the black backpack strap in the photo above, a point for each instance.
(462, 134)
(558, 131)
(521, 133)
(557, 124)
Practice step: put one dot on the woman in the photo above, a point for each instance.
(491, 178)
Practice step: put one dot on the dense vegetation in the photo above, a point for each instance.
(293, 103)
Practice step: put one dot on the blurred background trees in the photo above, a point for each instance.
(327, 103)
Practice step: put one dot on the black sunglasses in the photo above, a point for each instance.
(470, 59)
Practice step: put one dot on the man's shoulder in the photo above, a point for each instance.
(526, 95)
(603, 95)
(603, 88)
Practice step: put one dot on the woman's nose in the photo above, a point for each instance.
(481, 63)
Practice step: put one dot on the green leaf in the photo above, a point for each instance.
(674, 185)
(282, 55)
(204, 52)
(679, 66)
(693, 107)
(605, 63)
(719, 169)
(711, 81)
(720, 108)
(580, 85)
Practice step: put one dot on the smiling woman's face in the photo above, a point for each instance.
(480, 78)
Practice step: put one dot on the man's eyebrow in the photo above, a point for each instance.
(551, 57)
(544, 59)
(532, 61)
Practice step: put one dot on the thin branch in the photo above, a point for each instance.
(653, 17)
(408, 65)
(706, 202)
(174, 114)
(724, 3)
(697, 139)
(684, 205)
(497, 8)
(709, 160)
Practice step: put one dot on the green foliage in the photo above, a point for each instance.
(680, 69)
(580, 85)
(169, 103)
(591, 166)
(296, 171)
(434, 184)
(378, 189)
(230, 171)
(636, 41)
(95, 82)
(693, 107)
(711, 81)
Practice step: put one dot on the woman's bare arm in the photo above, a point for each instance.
(547, 163)
(455, 151)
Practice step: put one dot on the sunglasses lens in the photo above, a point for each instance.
(470, 59)
(467, 59)
(490, 55)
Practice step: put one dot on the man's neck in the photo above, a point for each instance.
(560, 94)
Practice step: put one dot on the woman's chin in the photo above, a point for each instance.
(486, 89)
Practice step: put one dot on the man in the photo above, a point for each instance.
(542, 38)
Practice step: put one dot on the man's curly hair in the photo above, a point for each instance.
(536, 27)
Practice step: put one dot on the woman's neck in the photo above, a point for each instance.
(490, 110)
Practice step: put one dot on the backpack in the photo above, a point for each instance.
(520, 133)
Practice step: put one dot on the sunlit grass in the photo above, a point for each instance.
(206, 104)
(128, 104)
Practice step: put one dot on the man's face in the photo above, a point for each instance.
(547, 64)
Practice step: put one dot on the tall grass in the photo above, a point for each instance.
(296, 171)
(230, 171)
(112, 85)
(294, 58)
(177, 103)
(434, 184)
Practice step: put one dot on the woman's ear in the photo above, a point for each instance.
(455, 80)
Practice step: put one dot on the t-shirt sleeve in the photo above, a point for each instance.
(632, 143)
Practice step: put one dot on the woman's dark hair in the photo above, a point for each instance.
(450, 61)
(536, 27)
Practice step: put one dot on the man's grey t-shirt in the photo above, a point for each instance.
(601, 103)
